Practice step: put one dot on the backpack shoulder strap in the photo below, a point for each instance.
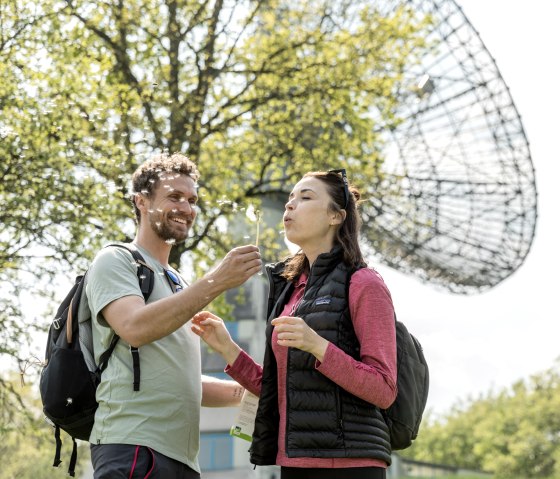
(144, 272)
(72, 326)
(146, 281)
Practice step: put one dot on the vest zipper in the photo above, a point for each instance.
(339, 412)
(287, 427)
(293, 310)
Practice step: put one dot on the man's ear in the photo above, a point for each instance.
(141, 202)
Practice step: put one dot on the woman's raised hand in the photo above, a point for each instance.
(213, 332)
(295, 333)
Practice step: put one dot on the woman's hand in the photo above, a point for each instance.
(295, 333)
(213, 332)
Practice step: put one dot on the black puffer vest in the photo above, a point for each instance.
(323, 420)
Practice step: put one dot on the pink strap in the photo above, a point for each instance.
(136, 460)
(153, 463)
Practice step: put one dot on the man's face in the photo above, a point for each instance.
(172, 208)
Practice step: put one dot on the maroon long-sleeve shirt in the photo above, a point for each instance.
(372, 379)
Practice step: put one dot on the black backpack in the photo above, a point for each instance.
(404, 416)
(70, 377)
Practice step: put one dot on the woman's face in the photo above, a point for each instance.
(308, 222)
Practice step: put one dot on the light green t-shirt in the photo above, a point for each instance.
(165, 413)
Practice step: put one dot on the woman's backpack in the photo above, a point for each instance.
(404, 416)
(413, 380)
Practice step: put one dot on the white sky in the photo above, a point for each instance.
(485, 342)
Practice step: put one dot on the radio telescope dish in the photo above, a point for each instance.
(456, 202)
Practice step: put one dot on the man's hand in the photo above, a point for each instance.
(237, 267)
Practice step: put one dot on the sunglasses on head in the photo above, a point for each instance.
(342, 172)
(173, 280)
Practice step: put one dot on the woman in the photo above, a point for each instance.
(330, 360)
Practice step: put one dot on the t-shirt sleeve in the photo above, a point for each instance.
(112, 275)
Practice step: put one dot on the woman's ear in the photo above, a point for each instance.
(338, 218)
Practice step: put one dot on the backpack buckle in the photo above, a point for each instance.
(56, 323)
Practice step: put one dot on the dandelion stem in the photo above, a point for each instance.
(258, 215)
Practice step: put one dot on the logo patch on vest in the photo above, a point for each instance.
(322, 300)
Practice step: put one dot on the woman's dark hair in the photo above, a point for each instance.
(146, 177)
(347, 233)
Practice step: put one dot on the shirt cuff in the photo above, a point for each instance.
(327, 358)
(240, 363)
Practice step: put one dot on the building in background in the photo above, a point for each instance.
(219, 451)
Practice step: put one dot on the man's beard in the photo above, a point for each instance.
(160, 226)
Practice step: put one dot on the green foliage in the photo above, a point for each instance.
(512, 433)
(26, 441)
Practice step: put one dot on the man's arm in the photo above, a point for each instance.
(220, 392)
(133, 320)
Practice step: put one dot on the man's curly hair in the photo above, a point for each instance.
(147, 176)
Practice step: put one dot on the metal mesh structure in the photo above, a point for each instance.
(456, 202)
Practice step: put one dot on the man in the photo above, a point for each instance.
(154, 432)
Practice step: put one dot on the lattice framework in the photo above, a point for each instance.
(456, 204)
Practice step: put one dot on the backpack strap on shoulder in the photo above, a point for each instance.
(146, 281)
(72, 323)
(144, 272)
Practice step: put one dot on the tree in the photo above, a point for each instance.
(255, 91)
(513, 433)
(27, 443)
